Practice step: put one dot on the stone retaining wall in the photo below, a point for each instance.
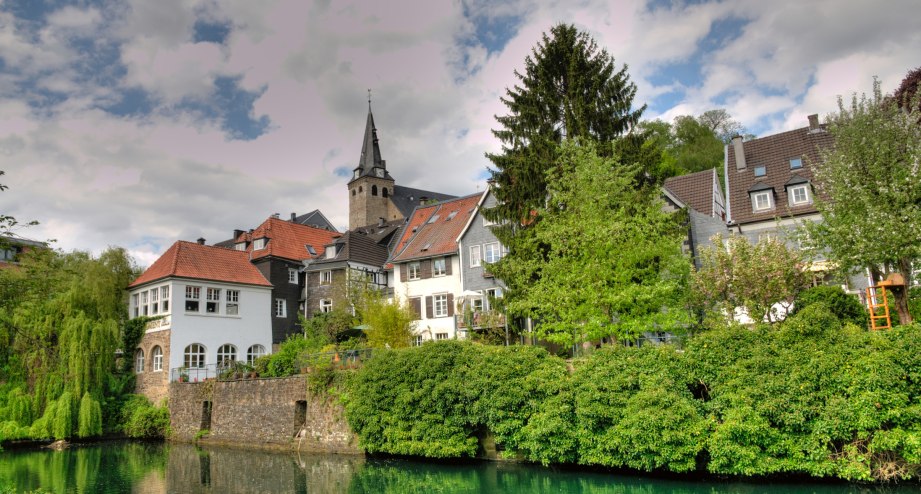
(260, 413)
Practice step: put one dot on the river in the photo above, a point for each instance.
(153, 468)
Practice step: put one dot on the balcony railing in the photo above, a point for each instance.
(481, 319)
(345, 359)
(234, 371)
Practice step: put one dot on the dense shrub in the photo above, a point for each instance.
(815, 395)
(142, 419)
(842, 304)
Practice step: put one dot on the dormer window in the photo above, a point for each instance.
(331, 251)
(760, 171)
(799, 195)
(761, 201)
(259, 243)
(357, 174)
(796, 163)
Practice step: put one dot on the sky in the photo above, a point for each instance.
(135, 123)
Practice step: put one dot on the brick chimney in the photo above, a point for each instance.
(813, 122)
(739, 152)
(201, 241)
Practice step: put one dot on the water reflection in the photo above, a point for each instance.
(159, 469)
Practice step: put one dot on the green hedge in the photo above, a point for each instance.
(811, 396)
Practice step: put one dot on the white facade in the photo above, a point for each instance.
(446, 288)
(222, 314)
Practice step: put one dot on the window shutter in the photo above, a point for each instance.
(426, 269)
(450, 305)
(429, 310)
(448, 265)
(416, 306)
(403, 274)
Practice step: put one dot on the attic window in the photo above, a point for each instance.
(451, 216)
(796, 163)
(426, 247)
(310, 249)
(259, 243)
(760, 171)
(239, 246)
(433, 219)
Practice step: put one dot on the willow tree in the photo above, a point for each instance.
(869, 189)
(569, 89)
(610, 265)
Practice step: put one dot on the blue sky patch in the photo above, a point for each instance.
(342, 171)
(236, 109)
(210, 32)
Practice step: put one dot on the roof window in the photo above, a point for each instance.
(796, 163)
(451, 216)
(310, 249)
(434, 218)
(760, 171)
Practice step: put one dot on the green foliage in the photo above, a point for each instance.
(389, 322)
(842, 304)
(813, 395)
(601, 259)
(879, 143)
(734, 273)
(285, 362)
(89, 419)
(142, 419)
(63, 425)
(569, 89)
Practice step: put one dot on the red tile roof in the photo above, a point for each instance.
(203, 262)
(774, 153)
(288, 240)
(433, 231)
(695, 190)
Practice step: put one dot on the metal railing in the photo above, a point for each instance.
(343, 359)
(229, 371)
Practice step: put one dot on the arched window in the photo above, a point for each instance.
(253, 353)
(359, 189)
(353, 192)
(156, 357)
(374, 190)
(139, 361)
(226, 355)
(384, 192)
(194, 357)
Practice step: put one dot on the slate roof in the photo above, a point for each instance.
(774, 153)
(406, 198)
(370, 151)
(432, 230)
(695, 190)
(287, 240)
(356, 247)
(202, 262)
(315, 218)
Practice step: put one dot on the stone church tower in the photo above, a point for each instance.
(371, 187)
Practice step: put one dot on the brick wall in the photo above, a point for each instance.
(261, 412)
(154, 385)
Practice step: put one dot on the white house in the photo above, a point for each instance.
(214, 306)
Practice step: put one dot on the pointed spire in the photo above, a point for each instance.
(370, 150)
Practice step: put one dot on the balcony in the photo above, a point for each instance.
(481, 319)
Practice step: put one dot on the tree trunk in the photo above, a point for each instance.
(901, 293)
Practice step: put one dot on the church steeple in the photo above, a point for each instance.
(370, 162)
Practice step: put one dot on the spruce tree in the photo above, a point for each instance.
(569, 89)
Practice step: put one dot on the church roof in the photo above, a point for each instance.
(406, 198)
(370, 151)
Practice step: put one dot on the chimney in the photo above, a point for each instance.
(423, 200)
(380, 222)
(237, 233)
(739, 152)
(293, 217)
(276, 216)
(201, 241)
(814, 122)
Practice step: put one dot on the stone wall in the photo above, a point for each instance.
(154, 384)
(261, 413)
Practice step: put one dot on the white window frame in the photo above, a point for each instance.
(155, 301)
(254, 352)
(139, 361)
(164, 299)
(226, 354)
(476, 257)
(441, 336)
(806, 198)
(193, 294)
(765, 194)
(326, 277)
(195, 356)
(441, 270)
(418, 340)
(213, 296)
(413, 270)
(292, 276)
(281, 307)
(232, 308)
(259, 243)
(239, 246)
(440, 305)
(136, 300)
(492, 252)
(156, 358)
(144, 306)
(326, 305)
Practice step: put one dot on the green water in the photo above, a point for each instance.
(157, 468)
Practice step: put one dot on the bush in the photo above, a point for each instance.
(142, 419)
(845, 306)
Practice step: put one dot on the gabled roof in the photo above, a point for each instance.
(315, 218)
(479, 205)
(356, 247)
(773, 153)
(406, 198)
(694, 190)
(433, 230)
(287, 240)
(202, 262)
